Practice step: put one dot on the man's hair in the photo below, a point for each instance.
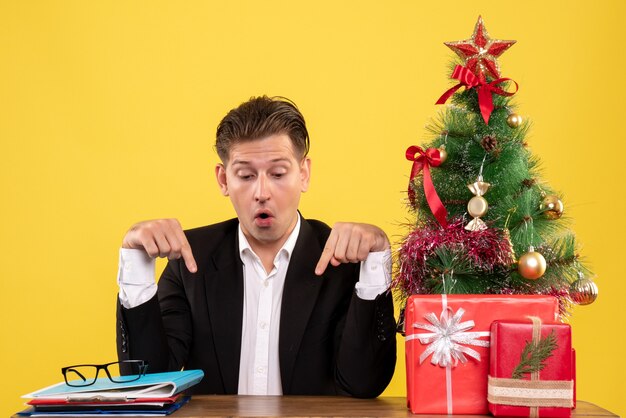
(259, 118)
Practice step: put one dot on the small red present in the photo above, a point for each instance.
(532, 369)
(447, 347)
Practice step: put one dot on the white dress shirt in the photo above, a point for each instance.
(259, 367)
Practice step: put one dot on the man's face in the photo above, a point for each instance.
(264, 179)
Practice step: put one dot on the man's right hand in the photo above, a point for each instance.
(161, 238)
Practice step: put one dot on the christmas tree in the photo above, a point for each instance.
(485, 221)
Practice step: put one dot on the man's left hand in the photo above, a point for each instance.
(351, 243)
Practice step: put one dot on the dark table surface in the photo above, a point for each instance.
(322, 406)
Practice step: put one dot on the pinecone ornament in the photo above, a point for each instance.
(489, 143)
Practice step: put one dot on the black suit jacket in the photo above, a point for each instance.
(331, 342)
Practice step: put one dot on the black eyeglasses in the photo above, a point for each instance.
(86, 374)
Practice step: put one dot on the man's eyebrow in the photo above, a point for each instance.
(275, 160)
(242, 162)
(281, 160)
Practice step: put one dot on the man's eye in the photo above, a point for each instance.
(246, 176)
(278, 175)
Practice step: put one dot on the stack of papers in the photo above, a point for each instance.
(155, 394)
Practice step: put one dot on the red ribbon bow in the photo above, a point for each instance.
(485, 90)
(422, 161)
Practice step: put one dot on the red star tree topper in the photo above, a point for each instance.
(480, 51)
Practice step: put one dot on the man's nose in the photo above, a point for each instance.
(262, 192)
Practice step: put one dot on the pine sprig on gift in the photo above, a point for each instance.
(534, 356)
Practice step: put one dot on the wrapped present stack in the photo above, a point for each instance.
(448, 339)
(489, 243)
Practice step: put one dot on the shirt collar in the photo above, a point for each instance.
(287, 247)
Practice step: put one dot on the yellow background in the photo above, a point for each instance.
(108, 111)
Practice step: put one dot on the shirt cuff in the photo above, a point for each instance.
(375, 275)
(135, 277)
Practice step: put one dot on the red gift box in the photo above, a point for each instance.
(447, 340)
(546, 393)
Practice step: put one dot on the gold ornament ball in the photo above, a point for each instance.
(552, 207)
(477, 206)
(583, 291)
(514, 120)
(443, 154)
(531, 265)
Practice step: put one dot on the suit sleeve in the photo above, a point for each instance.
(366, 358)
(158, 331)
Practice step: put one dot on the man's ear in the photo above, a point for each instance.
(305, 173)
(220, 175)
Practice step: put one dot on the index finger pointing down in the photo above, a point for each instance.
(190, 262)
(327, 254)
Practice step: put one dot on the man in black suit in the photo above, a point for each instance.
(253, 301)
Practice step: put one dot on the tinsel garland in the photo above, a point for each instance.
(485, 250)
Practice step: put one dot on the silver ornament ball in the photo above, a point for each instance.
(583, 291)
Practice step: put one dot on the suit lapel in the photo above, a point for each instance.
(224, 293)
(300, 293)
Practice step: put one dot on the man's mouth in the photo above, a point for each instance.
(263, 219)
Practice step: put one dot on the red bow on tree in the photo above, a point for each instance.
(422, 161)
(470, 80)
